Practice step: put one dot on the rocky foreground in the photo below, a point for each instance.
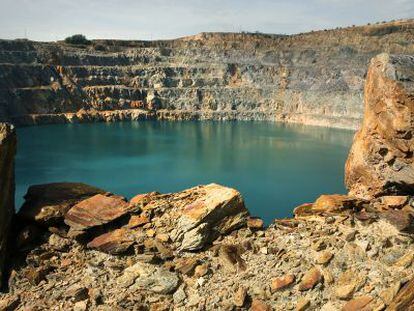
(84, 249)
(77, 247)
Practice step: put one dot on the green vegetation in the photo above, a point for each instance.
(77, 39)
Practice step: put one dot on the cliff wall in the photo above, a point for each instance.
(313, 78)
(381, 158)
(7, 152)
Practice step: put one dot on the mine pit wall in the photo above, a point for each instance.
(313, 78)
(7, 186)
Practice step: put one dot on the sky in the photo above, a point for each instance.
(49, 20)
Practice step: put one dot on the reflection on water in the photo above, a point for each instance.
(275, 166)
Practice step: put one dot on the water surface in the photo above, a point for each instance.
(275, 166)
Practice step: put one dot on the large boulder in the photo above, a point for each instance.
(381, 157)
(7, 152)
(48, 203)
(198, 215)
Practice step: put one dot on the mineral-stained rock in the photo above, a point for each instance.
(335, 203)
(282, 282)
(303, 210)
(142, 199)
(142, 276)
(389, 294)
(303, 304)
(357, 304)
(381, 157)
(255, 223)
(328, 204)
(404, 301)
(201, 270)
(216, 211)
(240, 297)
(48, 203)
(394, 201)
(7, 152)
(258, 305)
(186, 265)
(401, 220)
(324, 257)
(9, 303)
(310, 279)
(345, 291)
(96, 211)
(138, 220)
(114, 242)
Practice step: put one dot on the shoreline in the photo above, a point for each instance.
(109, 116)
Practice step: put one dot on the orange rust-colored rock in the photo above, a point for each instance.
(48, 203)
(258, 305)
(142, 199)
(282, 282)
(334, 203)
(255, 223)
(96, 211)
(310, 279)
(381, 159)
(113, 242)
(404, 301)
(357, 304)
(329, 204)
(138, 220)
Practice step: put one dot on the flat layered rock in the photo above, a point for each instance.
(330, 204)
(96, 211)
(404, 299)
(114, 242)
(48, 203)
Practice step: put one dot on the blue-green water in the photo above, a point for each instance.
(275, 166)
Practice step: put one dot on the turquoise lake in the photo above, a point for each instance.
(275, 166)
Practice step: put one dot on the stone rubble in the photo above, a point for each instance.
(314, 262)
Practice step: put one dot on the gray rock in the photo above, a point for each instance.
(143, 276)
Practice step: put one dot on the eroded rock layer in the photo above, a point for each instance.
(313, 78)
(7, 152)
(381, 160)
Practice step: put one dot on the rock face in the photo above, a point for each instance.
(198, 249)
(381, 160)
(7, 152)
(313, 78)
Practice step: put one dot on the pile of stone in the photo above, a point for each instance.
(200, 250)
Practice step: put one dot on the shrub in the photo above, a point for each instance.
(77, 40)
